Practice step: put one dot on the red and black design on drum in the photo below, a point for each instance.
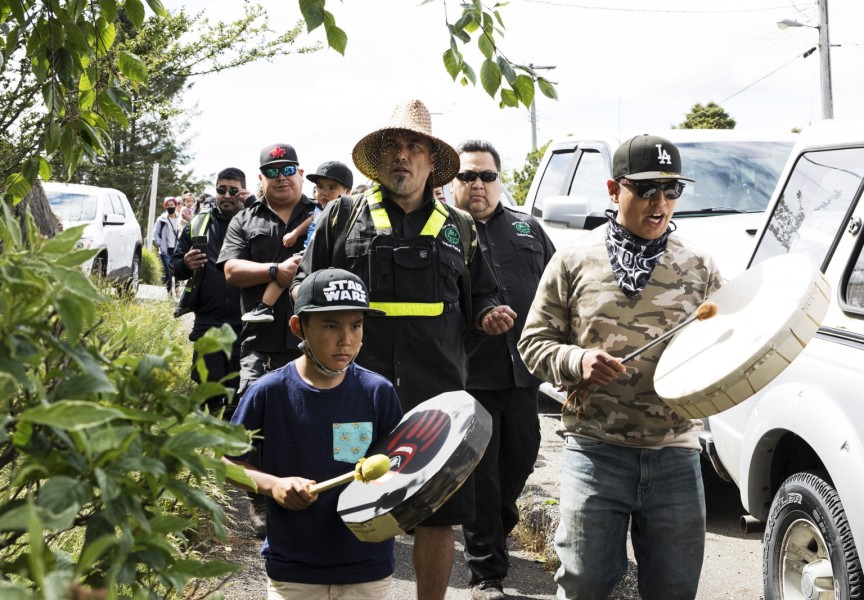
(417, 440)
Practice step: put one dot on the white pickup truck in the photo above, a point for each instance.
(796, 448)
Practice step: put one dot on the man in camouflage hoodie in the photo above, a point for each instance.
(628, 458)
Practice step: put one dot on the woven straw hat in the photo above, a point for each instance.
(411, 115)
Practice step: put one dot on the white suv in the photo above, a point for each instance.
(111, 228)
(796, 448)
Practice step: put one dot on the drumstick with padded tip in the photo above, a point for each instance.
(705, 311)
(366, 470)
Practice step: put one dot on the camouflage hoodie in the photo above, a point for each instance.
(579, 305)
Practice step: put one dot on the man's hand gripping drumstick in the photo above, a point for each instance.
(601, 368)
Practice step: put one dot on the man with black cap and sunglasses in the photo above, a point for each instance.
(629, 459)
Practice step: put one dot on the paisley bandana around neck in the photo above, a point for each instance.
(633, 259)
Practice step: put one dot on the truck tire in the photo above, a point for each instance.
(808, 551)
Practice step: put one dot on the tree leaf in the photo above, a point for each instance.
(486, 45)
(469, 73)
(452, 62)
(506, 69)
(509, 98)
(313, 13)
(490, 77)
(135, 11)
(336, 38)
(547, 88)
(157, 7)
(109, 9)
(70, 415)
(132, 66)
(524, 88)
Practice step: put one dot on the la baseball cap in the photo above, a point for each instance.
(334, 170)
(276, 154)
(647, 157)
(333, 289)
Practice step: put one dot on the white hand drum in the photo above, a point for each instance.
(766, 316)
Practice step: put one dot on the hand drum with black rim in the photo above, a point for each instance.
(432, 452)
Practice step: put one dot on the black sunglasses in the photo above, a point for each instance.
(223, 190)
(672, 190)
(273, 172)
(469, 176)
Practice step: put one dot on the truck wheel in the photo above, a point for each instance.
(808, 551)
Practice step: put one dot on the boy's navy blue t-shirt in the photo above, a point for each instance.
(318, 434)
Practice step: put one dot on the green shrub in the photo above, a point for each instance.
(151, 267)
(102, 474)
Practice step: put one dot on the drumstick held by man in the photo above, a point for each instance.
(629, 459)
(317, 416)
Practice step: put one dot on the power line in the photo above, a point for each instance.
(805, 55)
(655, 10)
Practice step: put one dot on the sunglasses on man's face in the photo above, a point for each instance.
(672, 190)
(273, 172)
(469, 176)
(223, 190)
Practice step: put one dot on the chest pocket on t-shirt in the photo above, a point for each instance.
(261, 246)
(351, 441)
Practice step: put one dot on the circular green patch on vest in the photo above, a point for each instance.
(522, 227)
(451, 234)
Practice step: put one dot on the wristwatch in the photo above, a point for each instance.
(273, 270)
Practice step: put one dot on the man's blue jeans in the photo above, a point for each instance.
(658, 493)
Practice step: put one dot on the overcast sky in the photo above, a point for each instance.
(620, 65)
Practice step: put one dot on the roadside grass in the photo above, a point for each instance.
(151, 267)
(535, 532)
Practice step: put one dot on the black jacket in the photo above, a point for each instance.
(216, 302)
(517, 249)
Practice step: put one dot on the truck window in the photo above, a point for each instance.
(552, 180)
(814, 205)
(589, 181)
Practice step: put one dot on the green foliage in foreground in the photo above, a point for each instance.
(102, 473)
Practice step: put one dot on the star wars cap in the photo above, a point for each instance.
(333, 289)
(276, 154)
(647, 157)
(334, 170)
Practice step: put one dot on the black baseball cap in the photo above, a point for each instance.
(276, 154)
(335, 170)
(333, 289)
(647, 157)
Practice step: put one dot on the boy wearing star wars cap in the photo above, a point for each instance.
(317, 416)
(629, 459)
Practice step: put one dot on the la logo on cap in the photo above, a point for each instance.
(344, 289)
(663, 156)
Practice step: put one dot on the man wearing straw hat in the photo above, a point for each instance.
(421, 262)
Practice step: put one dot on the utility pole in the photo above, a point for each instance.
(533, 110)
(824, 56)
(151, 211)
(825, 62)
